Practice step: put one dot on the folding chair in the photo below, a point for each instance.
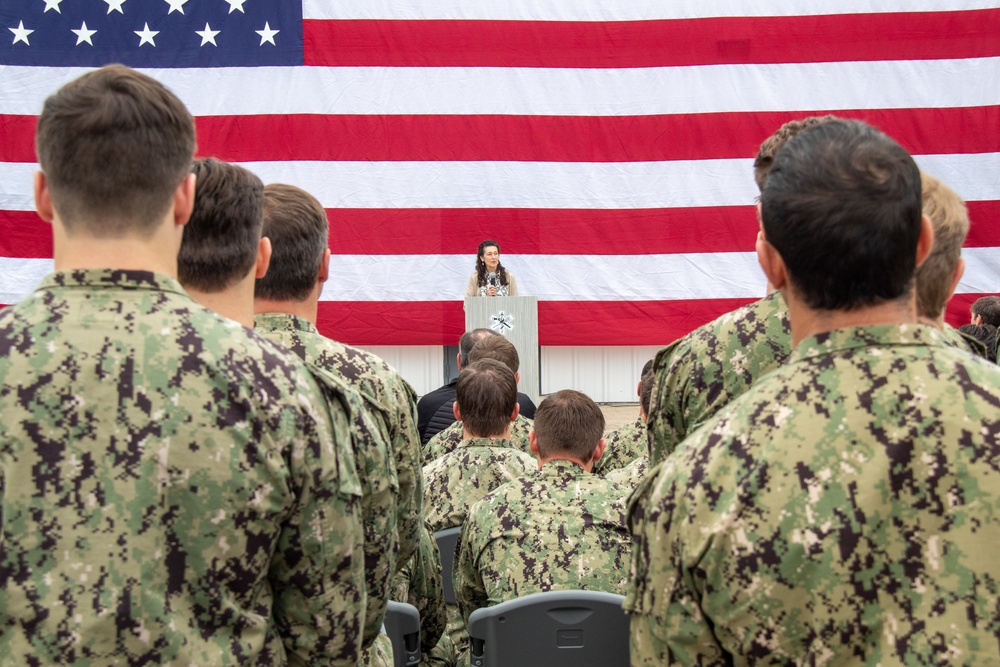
(553, 629)
(447, 541)
(402, 624)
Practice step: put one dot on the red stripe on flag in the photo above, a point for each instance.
(559, 322)
(264, 138)
(984, 228)
(660, 43)
(23, 234)
(543, 231)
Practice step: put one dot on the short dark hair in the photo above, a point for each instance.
(486, 394)
(646, 391)
(988, 307)
(950, 221)
(297, 226)
(568, 422)
(842, 207)
(496, 347)
(469, 340)
(114, 144)
(220, 241)
(985, 334)
(765, 156)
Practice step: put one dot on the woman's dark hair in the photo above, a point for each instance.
(481, 265)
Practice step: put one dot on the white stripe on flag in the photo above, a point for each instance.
(551, 91)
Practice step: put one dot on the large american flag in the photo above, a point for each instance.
(606, 145)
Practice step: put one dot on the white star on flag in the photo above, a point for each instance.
(52, 4)
(84, 35)
(146, 35)
(176, 5)
(267, 35)
(236, 4)
(21, 33)
(207, 35)
(115, 6)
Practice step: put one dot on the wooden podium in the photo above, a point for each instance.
(516, 319)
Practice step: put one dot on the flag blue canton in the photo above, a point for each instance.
(151, 33)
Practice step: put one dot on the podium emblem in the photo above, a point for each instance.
(502, 322)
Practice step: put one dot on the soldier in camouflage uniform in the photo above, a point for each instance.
(629, 476)
(498, 348)
(843, 511)
(628, 443)
(172, 491)
(418, 582)
(486, 402)
(561, 528)
(222, 255)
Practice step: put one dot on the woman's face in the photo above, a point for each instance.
(491, 257)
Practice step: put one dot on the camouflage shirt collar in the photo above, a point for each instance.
(501, 443)
(561, 469)
(891, 335)
(119, 279)
(283, 322)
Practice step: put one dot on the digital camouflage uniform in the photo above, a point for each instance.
(418, 583)
(372, 455)
(844, 512)
(629, 477)
(698, 374)
(456, 481)
(965, 342)
(174, 489)
(560, 528)
(623, 446)
(448, 439)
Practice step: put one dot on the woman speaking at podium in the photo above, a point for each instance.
(490, 278)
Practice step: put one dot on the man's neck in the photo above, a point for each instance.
(234, 302)
(468, 435)
(307, 310)
(807, 322)
(937, 323)
(587, 467)
(84, 252)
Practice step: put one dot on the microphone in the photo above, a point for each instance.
(491, 278)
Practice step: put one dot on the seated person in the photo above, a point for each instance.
(629, 476)
(500, 349)
(434, 408)
(560, 528)
(628, 443)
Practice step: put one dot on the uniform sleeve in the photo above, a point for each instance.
(409, 461)
(425, 592)
(472, 289)
(470, 592)
(317, 571)
(666, 424)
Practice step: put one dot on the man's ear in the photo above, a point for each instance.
(184, 200)
(533, 442)
(263, 257)
(599, 450)
(324, 266)
(925, 243)
(517, 377)
(771, 262)
(517, 411)
(455, 411)
(43, 198)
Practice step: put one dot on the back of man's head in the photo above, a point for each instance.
(296, 224)
(765, 156)
(469, 340)
(988, 308)
(568, 423)
(486, 394)
(842, 207)
(496, 347)
(221, 239)
(646, 392)
(114, 144)
(950, 221)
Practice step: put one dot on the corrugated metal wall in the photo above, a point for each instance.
(606, 374)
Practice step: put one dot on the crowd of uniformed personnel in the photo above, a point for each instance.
(191, 474)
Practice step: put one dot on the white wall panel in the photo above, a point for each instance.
(421, 365)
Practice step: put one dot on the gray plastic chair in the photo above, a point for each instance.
(447, 541)
(554, 629)
(402, 624)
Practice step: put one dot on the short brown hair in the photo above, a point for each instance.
(296, 223)
(220, 241)
(568, 422)
(114, 144)
(765, 156)
(469, 340)
(486, 394)
(646, 391)
(950, 220)
(496, 347)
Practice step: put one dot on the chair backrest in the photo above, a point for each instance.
(447, 541)
(555, 629)
(402, 624)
